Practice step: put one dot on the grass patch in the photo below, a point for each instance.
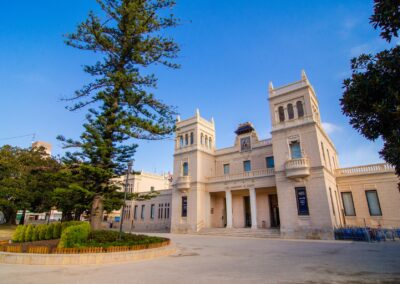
(7, 231)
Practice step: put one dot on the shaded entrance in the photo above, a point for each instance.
(247, 211)
(274, 210)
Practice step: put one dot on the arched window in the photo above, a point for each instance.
(185, 169)
(300, 110)
(210, 142)
(201, 138)
(290, 111)
(186, 139)
(281, 114)
(191, 138)
(206, 140)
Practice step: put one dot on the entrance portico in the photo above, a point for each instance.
(254, 208)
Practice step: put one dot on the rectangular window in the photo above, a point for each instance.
(247, 166)
(373, 203)
(191, 138)
(302, 203)
(142, 213)
(166, 211)
(135, 212)
(152, 211)
(151, 188)
(185, 169)
(270, 162)
(295, 150)
(184, 206)
(226, 169)
(348, 204)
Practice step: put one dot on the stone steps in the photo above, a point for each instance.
(242, 232)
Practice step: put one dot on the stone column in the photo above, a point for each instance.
(228, 197)
(253, 207)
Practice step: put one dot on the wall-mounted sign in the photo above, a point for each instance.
(302, 203)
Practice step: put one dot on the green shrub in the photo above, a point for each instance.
(42, 231)
(67, 224)
(57, 230)
(28, 233)
(74, 236)
(105, 238)
(35, 233)
(49, 232)
(18, 234)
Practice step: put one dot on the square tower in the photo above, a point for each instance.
(305, 160)
(194, 161)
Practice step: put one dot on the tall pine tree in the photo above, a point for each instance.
(130, 39)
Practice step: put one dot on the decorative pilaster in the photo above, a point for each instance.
(228, 197)
(253, 207)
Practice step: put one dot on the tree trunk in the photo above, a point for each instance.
(22, 220)
(10, 215)
(96, 213)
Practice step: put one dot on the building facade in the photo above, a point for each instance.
(291, 181)
(147, 215)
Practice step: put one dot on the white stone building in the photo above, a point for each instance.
(291, 181)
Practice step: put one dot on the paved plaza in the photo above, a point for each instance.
(215, 259)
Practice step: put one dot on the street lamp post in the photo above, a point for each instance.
(130, 164)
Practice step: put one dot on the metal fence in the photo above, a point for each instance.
(367, 234)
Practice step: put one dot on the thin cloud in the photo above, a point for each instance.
(330, 127)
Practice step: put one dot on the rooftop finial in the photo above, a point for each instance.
(304, 76)
(212, 120)
(178, 118)
(270, 87)
(197, 112)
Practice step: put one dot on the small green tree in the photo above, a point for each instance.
(57, 230)
(42, 231)
(18, 234)
(35, 234)
(29, 233)
(49, 232)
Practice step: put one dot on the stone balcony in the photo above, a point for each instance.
(243, 175)
(182, 183)
(297, 168)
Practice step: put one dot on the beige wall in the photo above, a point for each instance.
(388, 193)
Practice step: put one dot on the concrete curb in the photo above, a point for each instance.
(87, 258)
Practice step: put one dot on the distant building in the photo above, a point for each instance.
(146, 215)
(47, 146)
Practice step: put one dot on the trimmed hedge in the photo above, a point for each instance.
(74, 236)
(28, 233)
(105, 238)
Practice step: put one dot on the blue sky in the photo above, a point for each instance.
(230, 50)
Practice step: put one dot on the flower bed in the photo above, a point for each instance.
(78, 238)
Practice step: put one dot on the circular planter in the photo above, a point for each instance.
(85, 258)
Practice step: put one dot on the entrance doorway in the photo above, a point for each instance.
(247, 212)
(274, 210)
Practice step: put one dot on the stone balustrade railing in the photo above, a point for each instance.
(367, 169)
(297, 163)
(244, 175)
